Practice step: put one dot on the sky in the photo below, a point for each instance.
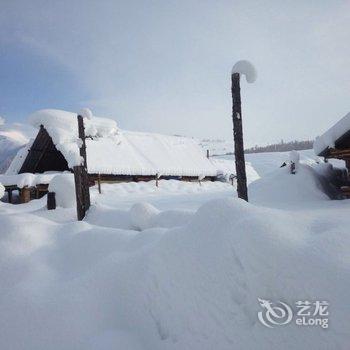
(164, 66)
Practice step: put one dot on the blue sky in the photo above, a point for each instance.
(164, 65)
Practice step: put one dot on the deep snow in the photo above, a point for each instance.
(180, 266)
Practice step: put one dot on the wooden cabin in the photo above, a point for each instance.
(335, 144)
(113, 155)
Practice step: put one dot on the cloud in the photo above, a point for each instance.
(165, 65)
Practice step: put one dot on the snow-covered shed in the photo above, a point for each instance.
(113, 153)
(335, 143)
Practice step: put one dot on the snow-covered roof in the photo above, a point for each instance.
(329, 138)
(27, 179)
(114, 151)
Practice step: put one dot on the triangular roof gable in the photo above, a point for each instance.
(43, 155)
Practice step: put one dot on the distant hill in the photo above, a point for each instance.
(12, 138)
(223, 147)
(282, 147)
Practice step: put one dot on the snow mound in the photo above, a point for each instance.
(191, 287)
(280, 186)
(247, 69)
(294, 157)
(27, 179)
(142, 215)
(2, 190)
(64, 187)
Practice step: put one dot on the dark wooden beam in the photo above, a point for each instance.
(81, 178)
(242, 190)
(51, 201)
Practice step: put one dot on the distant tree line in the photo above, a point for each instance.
(282, 147)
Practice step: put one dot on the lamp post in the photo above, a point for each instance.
(246, 68)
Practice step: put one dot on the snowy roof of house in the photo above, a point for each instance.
(114, 151)
(332, 136)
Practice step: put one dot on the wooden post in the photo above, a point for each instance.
(81, 179)
(25, 195)
(238, 137)
(208, 155)
(200, 178)
(9, 195)
(99, 183)
(79, 191)
(292, 168)
(51, 200)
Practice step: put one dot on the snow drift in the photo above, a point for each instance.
(64, 187)
(280, 186)
(80, 286)
(2, 190)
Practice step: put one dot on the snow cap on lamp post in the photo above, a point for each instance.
(247, 69)
(86, 113)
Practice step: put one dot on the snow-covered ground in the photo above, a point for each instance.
(180, 266)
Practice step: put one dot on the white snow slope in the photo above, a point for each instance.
(12, 138)
(180, 266)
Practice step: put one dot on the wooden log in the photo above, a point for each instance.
(242, 190)
(25, 195)
(339, 153)
(51, 200)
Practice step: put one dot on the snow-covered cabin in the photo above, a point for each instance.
(112, 154)
(335, 143)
